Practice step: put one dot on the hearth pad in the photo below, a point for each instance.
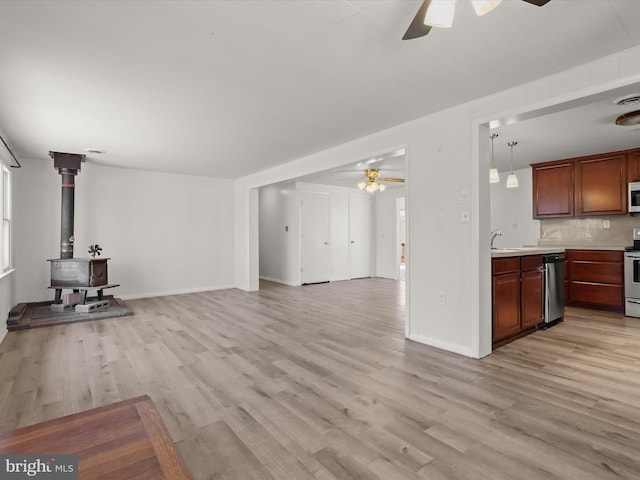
(34, 315)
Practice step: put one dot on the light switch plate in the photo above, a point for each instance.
(465, 215)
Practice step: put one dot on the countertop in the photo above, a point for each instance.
(541, 250)
(522, 251)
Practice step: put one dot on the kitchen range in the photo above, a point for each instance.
(632, 277)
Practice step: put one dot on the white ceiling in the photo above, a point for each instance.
(228, 88)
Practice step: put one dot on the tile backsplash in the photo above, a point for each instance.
(589, 231)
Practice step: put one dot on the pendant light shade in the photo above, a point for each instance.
(512, 179)
(494, 176)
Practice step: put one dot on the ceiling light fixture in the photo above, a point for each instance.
(441, 12)
(494, 176)
(483, 7)
(629, 119)
(371, 183)
(512, 179)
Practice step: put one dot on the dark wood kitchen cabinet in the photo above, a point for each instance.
(532, 291)
(584, 186)
(553, 184)
(633, 165)
(596, 279)
(518, 296)
(601, 184)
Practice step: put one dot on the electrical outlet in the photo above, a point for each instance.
(606, 224)
(465, 215)
(443, 298)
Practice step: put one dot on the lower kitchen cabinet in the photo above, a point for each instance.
(518, 296)
(596, 279)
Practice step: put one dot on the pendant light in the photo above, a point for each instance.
(512, 179)
(494, 176)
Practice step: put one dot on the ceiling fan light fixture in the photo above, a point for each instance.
(482, 7)
(371, 187)
(362, 184)
(382, 187)
(440, 13)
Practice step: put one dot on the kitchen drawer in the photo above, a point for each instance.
(596, 255)
(506, 265)
(597, 294)
(597, 272)
(531, 262)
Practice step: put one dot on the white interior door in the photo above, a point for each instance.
(360, 231)
(314, 216)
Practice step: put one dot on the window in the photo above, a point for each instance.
(5, 232)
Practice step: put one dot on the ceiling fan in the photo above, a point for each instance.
(372, 180)
(441, 14)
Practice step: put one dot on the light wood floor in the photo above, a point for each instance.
(318, 382)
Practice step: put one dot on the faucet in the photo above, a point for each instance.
(495, 233)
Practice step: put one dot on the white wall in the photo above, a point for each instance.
(447, 257)
(512, 211)
(387, 232)
(164, 233)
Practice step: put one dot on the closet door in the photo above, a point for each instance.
(314, 216)
(360, 231)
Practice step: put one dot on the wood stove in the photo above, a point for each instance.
(68, 272)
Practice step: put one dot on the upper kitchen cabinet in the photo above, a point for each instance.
(601, 184)
(584, 186)
(633, 166)
(553, 194)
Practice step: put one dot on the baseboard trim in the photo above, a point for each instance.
(449, 347)
(277, 280)
(136, 296)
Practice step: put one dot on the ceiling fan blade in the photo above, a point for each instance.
(389, 179)
(538, 3)
(417, 28)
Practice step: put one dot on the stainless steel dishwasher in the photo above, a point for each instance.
(554, 286)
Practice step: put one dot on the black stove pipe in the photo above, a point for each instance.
(68, 210)
(68, 166)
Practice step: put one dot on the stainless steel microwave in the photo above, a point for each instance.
(634, 197)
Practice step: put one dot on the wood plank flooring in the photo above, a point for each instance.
(124, 440)
(318, 382)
